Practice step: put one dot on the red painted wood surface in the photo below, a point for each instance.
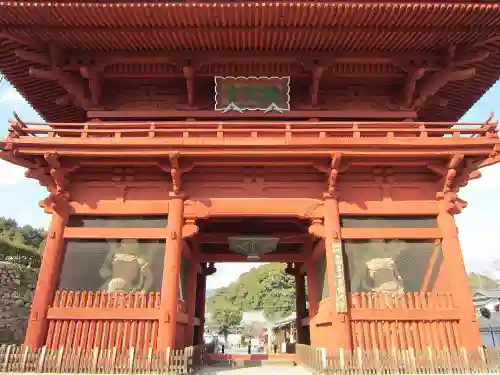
(418, 334)
(107, 320)
(409, 320)
(230, 172)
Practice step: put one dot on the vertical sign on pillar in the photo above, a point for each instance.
(340, 288)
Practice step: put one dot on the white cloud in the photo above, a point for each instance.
(10, 96)
(490, 180)
(10, 174)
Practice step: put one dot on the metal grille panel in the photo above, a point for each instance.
(389, 222)
(393, 265)
(184, 279)
(97, 264)
(84, 221)
(322, 289)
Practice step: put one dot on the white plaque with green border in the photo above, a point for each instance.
(240, 94)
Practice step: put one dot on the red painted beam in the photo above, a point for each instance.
(231, 257)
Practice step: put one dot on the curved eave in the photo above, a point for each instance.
(297, 27)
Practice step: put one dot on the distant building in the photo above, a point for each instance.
(489, 298)
(489, 328)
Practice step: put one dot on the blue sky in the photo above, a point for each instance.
(478, 224)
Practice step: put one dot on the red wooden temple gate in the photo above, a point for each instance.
(357, 181)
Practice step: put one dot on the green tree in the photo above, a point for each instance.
(266, 288)
(227, 317)
(20, 244)
(32, 236)
(478, 281)
(7, 226)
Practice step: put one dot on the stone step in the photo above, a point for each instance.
(240, 363)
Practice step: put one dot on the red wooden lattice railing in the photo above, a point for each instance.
(107, 320)
(405, 334)
(252, 129)
(424, 300)
(404, 320)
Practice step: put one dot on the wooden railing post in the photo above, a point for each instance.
(41, 359)
(5, 364)
(431, 359)
(95, 359)
(359, 356)
(131, 360)
(341, 359)
(167, 360)
(24, 358)
(323, 359)
(60, 356)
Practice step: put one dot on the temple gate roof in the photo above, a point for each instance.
(98, 29)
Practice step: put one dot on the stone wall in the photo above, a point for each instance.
(17, 286)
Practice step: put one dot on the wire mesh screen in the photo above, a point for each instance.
(112, 265)
(83, 221)
(184, 279)
(393, 265)
(388, 222)
(321, 277)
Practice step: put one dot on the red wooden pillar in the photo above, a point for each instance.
(470, 336)
(201, 284)
(340, 335)
(171, 271)
(312, 295)
(300, 304)
(47, 281)
(191, 298)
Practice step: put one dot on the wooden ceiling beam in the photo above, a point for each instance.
(270, 257)
(222, 238)
(94, 77)
(206, 114)
(483, 30)
(270, 71)
(74, 59)
(411, 84)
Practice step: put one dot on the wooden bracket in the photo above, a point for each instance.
(93, 76)
(190, 228)
(413, 75)
(316, 71)
(55, 178)
(455, 67)
(176, 171)
(336, 159)
(451, 173)
(72, 83)
(317, 229)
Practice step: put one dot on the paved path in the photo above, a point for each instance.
(265, 370)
